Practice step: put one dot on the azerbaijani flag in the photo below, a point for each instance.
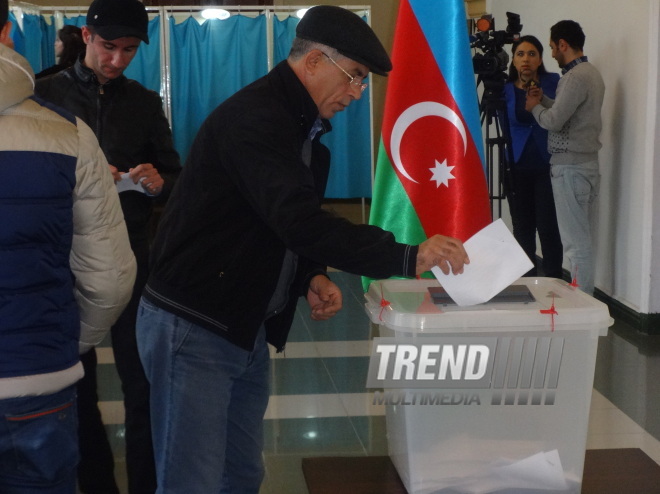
(430, 175)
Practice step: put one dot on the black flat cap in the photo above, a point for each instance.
(113, 19)
(347, 33)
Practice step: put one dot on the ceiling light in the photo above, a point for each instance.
(215, 14)
(301, 13)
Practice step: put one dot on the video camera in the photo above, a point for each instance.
(493, 59)
(491, 67)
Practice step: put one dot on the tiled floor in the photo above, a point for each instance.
(320, 405)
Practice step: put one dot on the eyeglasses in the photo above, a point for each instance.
(354, 81)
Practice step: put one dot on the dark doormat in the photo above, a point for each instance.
(606, 471)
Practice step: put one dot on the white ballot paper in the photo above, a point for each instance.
(496, 261)
(542, 471)
(126, 183)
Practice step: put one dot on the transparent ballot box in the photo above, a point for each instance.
(490, 398)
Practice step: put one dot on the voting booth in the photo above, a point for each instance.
(486, 398)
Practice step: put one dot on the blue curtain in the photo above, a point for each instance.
(283, 33)
(48, 36)
(16, 34)
(79, 21)
(145, 67)
(349, 142)
(31, 31)
(210, 62)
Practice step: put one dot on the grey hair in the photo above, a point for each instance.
(301, 47)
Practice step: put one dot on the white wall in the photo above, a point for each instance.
(622, 42)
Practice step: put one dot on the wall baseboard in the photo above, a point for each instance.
(644, 323)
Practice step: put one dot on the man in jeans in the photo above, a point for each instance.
(573, 122)
(66, 274)
(242, 238)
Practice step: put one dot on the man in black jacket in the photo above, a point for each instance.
(135, 136)
(242, 237)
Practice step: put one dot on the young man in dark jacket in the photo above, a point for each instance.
(243, 236)
(135, 136)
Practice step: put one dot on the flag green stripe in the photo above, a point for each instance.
(391, 208)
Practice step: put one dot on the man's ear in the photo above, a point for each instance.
(5, 39)
(86, 34)
(312, 60)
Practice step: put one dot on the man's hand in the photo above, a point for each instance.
(116, 174)
(324, 297)
(534, 97)
(153, 182)
(446, 252)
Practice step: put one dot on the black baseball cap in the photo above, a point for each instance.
(113, 19)
(347, 33)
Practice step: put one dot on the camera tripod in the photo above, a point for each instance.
(498, 152)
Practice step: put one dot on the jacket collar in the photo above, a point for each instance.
(574, 63)
(87, 75)
(301, 104)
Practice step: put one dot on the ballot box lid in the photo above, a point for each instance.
(530, 304)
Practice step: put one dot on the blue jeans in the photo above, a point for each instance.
(575, 187)
(208, 400)
(39, 444)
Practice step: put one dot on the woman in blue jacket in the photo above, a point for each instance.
(530, 197)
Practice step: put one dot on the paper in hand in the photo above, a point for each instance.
(496, 261)
(126, 183)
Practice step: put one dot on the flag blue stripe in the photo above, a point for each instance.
(444, 25)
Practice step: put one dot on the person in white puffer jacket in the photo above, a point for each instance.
(66, 273)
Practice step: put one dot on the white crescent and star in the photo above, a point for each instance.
(441, 172)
